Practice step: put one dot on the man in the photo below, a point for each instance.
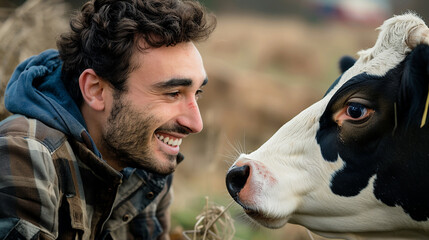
(90, 150)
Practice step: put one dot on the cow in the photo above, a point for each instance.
(354, 165)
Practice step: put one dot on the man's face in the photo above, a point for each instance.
(148, 121)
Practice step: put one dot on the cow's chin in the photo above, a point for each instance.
(266, 220)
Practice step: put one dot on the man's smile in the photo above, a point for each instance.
(169, 139)
(169, 142)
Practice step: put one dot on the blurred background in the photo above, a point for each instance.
(266, 61)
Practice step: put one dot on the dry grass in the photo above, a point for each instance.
(27, 31)
(213, 223)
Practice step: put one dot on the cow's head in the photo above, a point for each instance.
(357, 161)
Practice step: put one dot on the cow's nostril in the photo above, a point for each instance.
(236, 179)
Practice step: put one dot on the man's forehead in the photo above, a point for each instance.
(169, 66)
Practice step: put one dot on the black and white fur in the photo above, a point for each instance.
(344, 176)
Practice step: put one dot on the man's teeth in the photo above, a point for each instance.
(170, 141)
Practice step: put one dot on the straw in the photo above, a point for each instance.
(214, 223)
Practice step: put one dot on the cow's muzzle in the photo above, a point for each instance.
(236, 179)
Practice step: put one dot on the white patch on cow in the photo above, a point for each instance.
(301, 191)
(389, 50)
(297, 175)
(362, 212)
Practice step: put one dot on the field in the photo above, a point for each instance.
(262, 72)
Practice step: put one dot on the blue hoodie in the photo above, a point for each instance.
(37, 91)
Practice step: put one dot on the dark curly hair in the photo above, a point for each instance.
(105, 33)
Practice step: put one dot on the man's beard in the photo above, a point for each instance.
(127, 138)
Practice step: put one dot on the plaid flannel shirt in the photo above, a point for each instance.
(54, 187)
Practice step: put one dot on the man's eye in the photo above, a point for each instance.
(356, 111)
(173, 94)
(199, 94)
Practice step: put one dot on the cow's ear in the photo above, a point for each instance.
(346, 62)
(414, 97)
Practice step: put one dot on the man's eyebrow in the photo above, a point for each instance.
(177, 82)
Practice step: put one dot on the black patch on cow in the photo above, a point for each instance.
(389, 145)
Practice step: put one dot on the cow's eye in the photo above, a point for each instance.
(356, 111)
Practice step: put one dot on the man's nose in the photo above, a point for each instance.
(191, 117)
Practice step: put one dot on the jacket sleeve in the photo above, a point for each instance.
(28, 190)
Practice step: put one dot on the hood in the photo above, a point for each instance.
(37, 91)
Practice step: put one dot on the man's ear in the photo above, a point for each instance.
(93, 89)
